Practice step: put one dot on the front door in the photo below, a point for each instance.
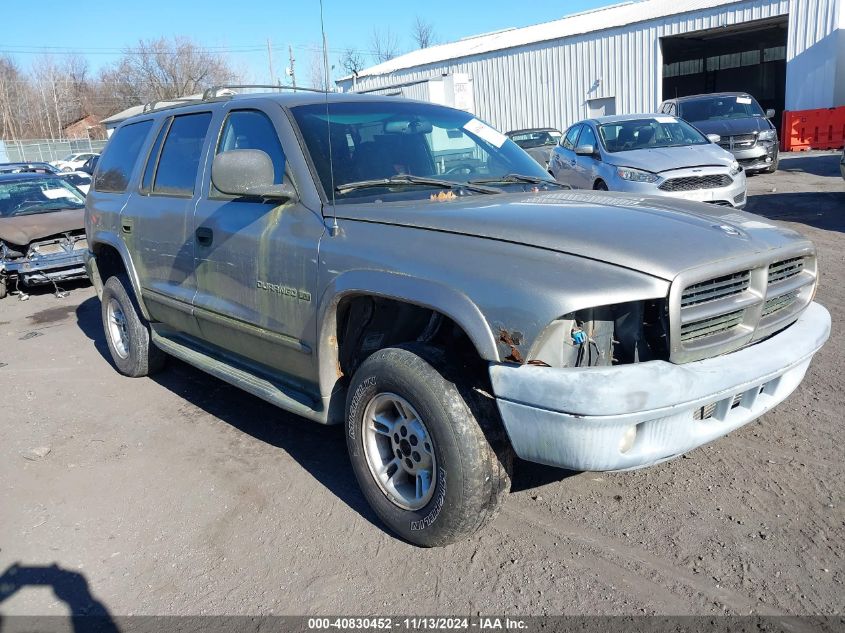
(585, 166)
(256, 260)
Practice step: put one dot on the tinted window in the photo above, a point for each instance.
(587, 137)
(720, 107)
(152, 159)
(115, 165)
(180, 157)
(571, 135)
(251, 129)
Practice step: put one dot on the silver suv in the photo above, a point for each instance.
(404, 269)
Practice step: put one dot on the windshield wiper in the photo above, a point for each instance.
(408, 179)
(534, 180)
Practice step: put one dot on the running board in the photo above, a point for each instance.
(242, 377)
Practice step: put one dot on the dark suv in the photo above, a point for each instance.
(736, 117)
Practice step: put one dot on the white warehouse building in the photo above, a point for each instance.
(627, 58)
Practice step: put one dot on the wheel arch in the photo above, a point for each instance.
(109, 255)
(422, 293)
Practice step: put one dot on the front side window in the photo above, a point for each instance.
(394, 139)
(720, 108)
(588, 137)
(176, 172)
(651, 133)
(252, 129)
(537, 138)
(32, 196)
(115, 165)
(571, 135)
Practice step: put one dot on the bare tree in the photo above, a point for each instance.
(422, 33)
(157, 70)
(352, 61)
(385, 45)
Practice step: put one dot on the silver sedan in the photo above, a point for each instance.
(649, 154)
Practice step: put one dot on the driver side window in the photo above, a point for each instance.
(252, 129)
(588, 137)
(571, 135)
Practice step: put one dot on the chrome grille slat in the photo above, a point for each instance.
(779, 303)
(718, 288)
(785, 269)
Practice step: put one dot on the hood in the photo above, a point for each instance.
(23, 229)
(667, 158)
(732, 127)
(658, 236)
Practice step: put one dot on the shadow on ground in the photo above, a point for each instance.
(824, 165)
(87, 613)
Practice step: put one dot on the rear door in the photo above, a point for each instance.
(159, 220)
(256, 260)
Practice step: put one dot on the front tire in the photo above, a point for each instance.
(127, 332)
(600, 185)
(417, 449)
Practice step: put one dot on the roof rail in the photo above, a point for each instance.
(154, 105)
(211, 93)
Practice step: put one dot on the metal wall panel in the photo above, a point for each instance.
(550, 82)
(814, 55)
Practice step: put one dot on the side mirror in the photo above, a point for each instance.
(585, 150)
(770, 113)
(247, 172)
(714, 138)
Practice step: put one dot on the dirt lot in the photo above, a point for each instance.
(182, 495)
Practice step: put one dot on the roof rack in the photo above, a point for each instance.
(154, 105)
(212, 92)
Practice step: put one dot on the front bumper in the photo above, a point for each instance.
(757, 158)
(577, 418)
(733, 195)
(46, 269)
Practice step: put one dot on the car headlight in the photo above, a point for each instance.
(636, 175)
(767, 135)
(735, 168)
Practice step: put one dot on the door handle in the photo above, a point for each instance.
(205, 236)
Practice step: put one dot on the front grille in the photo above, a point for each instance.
(706, 412)
(718, 288)
(739, 198)
(724, 313)
(691, 183)
(779, 271)
(779, 303)
(738, 141)
(48, 249)
(80, 245)
(711, 325)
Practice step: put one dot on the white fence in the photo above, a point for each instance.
(44, 150)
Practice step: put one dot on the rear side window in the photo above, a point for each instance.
(251, 129)
(176, 172)
(115, 166)
(571, 135)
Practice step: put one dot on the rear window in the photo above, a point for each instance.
(180, 157)
(115, 166)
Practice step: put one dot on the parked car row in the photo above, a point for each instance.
(697, 147)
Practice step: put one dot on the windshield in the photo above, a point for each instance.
(719, 108)
(380, 140)
(651, 133)
(38, 195)
(538, 138)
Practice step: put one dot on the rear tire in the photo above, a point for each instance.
(4, 289)
(407, 416)
(127, 332)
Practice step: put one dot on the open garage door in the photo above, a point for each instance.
(749, 57)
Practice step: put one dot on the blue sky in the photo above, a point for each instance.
(241, 29)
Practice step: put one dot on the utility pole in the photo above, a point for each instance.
(291, 68)
(270, 61)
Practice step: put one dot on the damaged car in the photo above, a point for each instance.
(42, 235)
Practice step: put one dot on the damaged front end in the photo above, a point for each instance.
(48, 260)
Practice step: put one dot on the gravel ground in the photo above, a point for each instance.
(182, 495)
